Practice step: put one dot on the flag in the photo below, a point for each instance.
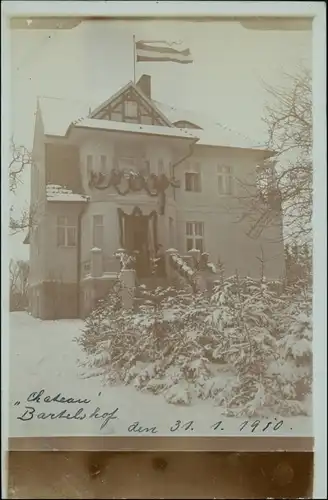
(162, 51)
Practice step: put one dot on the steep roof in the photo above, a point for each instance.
(59, 115)
(212, 133)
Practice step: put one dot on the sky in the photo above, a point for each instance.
(92, 61)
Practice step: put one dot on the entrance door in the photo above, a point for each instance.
(137, 240)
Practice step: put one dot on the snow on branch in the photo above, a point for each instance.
(246, 347)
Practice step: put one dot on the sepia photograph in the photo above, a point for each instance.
(160, 240)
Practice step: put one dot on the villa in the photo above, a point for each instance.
(135, 173)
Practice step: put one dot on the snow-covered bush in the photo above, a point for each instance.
(163, 348)
(294, 368)
(264, 333)
(247, 346)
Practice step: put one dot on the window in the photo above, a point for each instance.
(134, 164)
(66, 232)
(103, 163)
(195, 236)
(127, 164)
(89, 164)
(160, 167)
(97, 163)
(193, 179)
(145, 168)
(98, 231)
(225, 180)
(131, 111)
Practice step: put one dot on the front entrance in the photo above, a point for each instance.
(139, 236)
(137, 241)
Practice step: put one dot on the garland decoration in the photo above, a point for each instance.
(154, 185)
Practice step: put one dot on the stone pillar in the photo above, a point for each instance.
(169, 271)
(128, 283)
(96, 263)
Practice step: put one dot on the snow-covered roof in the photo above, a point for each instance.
(135, 127)
(121, 91)
(59, 114)
(213, 133)
(60, 193)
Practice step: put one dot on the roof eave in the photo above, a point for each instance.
(268, 153)
(150, 134)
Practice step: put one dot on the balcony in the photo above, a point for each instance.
(103, 267)
(136, 177)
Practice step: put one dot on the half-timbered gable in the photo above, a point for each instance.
(130, 105)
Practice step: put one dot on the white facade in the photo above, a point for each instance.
(206, 210)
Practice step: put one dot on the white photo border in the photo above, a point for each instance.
(139, 9)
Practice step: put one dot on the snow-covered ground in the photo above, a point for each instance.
(43, 356)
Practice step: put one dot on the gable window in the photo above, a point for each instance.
(193, 178)
(195, 236)
(98, 231)
(131, 111)
(66, 231)
(225, 180)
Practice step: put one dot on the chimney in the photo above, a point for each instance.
(144, 84)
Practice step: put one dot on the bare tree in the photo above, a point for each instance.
(20, 159)
(284, 184)
(289, 123)
(18, 280)
(13, 275)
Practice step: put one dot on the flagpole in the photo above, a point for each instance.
(134, 59)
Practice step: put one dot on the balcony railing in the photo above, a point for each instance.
(110, 265)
